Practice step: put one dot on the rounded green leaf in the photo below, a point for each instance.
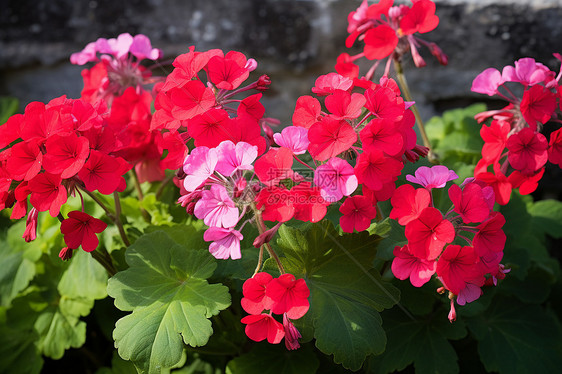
(166, 289)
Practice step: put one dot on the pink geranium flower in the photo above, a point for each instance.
(216, 208)
(232, 158)
(336, 179)
(225, 242)
(199, 165)
(487, 82)
(293, 137)
(434, 177)
(405, 265)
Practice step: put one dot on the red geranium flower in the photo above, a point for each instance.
(80, 229)
(329, 138)
(358, 212)
(289, 295)
(428, 234)
(255, 300)
(307, 111)
(263, 326)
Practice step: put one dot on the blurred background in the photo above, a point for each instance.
(294, 41)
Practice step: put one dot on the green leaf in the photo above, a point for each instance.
(18, 351)
(18, 264)
(166, 289)
(274, 359)
(118, 366)
(547, 217)
(423, 341)
(8, 107)
(345, 292)
(159, 212)
(517, 338)
(395, 237)
(455, 138)
(58, 332)
(84, 278)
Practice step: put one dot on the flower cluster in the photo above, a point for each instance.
(369, 125)
(389, 31)
(54, 151)
(118, 66)
(68, 146)
(284, 295)
(514, 137)
(462, 270)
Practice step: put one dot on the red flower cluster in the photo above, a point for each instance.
(185, 101)
(284, 295)
(55, 150)
(389, 31)
(462, 270)
(514, 137)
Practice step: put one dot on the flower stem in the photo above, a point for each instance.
(107, 211)
(302, 162)
(262, 229)
(260, 261)
(104, 261)
(117, 219)
(431, 156)
(163, 185)
(140, 195)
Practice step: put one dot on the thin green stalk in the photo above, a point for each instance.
(163, 185)
(107, 211)
(432, 157)
(117, 219)
(108, 266)
(260, 261)
(140, 195)
(262, 229)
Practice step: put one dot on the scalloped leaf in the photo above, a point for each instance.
(274, 359)
(18, 264)
(345, 292)
(166, 289)
(423, 341)
(517, 338)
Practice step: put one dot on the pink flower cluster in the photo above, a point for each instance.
(462, 270)
(514, 137)
(284, 295)
(118, 66)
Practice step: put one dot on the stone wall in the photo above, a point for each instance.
(293, 41)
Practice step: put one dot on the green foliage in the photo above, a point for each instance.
(274, 359)
(517, 338)
(18, 264)
(171, 301)
(8, 107)
(346, 294)
(423, 341)
(455, 137)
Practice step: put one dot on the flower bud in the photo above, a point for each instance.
(263, 83)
